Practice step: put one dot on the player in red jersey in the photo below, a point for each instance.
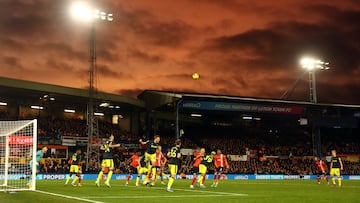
(134, 163)
(321, 173)
(221, 163)
(160, 162)
(197, 159)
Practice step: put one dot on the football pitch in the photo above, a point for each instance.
(228, 191)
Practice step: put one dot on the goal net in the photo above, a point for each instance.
(17, 147)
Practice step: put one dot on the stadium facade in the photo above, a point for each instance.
(177, 114)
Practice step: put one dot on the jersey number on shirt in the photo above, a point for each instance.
(106, 148)
(173, 152)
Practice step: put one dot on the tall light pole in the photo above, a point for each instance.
(312, 65)
(82, 11)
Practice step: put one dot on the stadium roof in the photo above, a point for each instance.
(10, 87)
(207, 107)
(164, 97)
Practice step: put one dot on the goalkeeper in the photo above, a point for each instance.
(39, 154)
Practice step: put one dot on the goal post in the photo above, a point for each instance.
(18, 145)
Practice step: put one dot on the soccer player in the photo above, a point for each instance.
(205, 162)
(173, 163)
(74, 168)
(107, 162)
(197, 159)
(160, 162)
(142, 169)
(39, 155)
(134, 163)
(335, 167)
(321, 174)
(220, 164)
(150, 154)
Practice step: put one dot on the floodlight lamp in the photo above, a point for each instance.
(312, 64)
(110, 17)
(81, 10)
(96, 14)
(308, 63)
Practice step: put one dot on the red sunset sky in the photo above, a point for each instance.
(246, 48)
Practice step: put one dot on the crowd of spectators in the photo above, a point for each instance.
(293, 152)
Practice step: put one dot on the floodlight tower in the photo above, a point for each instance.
(312, 65)
(84, 12)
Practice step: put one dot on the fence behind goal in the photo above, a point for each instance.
(17, 147)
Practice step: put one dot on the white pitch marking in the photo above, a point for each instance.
(68, 197)
(150, 196)
(188, 190)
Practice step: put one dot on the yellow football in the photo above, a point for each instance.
(195, 76)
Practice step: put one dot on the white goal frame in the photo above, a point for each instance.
(7, 178)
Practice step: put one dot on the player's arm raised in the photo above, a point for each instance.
(114, 145)
(143, 142)
(197, 157)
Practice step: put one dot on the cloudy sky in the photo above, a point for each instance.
(246, 48)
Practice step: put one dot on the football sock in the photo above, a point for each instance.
(101, 173)
(193, 180)
(68, 179)
(75, 179)
(171, 181)
(201, 179)
(137, 180)
(109, 176)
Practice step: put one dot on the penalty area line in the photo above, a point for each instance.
(192, 190)
(68, 197)
(152, 196)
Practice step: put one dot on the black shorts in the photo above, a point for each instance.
(319, 173)
(195, 170)
(219, 169)
(132, 170)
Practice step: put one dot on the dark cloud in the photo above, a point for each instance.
(169, 34)
(144, 56)
(242, 48)
(12, 63)
(10, 44)
(63, 51)
(106, 71)
(107, 55)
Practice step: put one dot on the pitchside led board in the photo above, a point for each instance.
(209, 176)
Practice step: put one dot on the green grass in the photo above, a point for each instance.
(228, 191)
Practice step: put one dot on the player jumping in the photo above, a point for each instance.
(150, 154)
(107, 162)
(74, 168)
(220, 164)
